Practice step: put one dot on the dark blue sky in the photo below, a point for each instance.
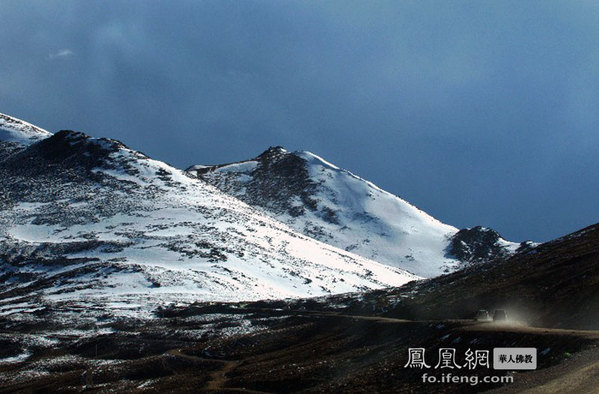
(478, 112)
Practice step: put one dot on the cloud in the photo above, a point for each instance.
(479, 113)
(60, 54)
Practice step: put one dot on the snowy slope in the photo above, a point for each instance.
(86, 219)
(19, 131)
(335, 206)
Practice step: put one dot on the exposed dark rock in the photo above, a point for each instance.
(68, 149)
(279, 179)
(477, 244)
(9, 148)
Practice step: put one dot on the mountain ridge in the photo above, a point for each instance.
(87, 219)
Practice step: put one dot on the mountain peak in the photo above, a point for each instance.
(273, 152)
(70, 150)
(479, 244)
(332, 205)
(74, 146)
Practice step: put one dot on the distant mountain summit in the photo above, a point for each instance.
(275, 180)
(335, 206)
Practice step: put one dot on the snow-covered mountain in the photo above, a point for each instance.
(335, 206)
(88, 219)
